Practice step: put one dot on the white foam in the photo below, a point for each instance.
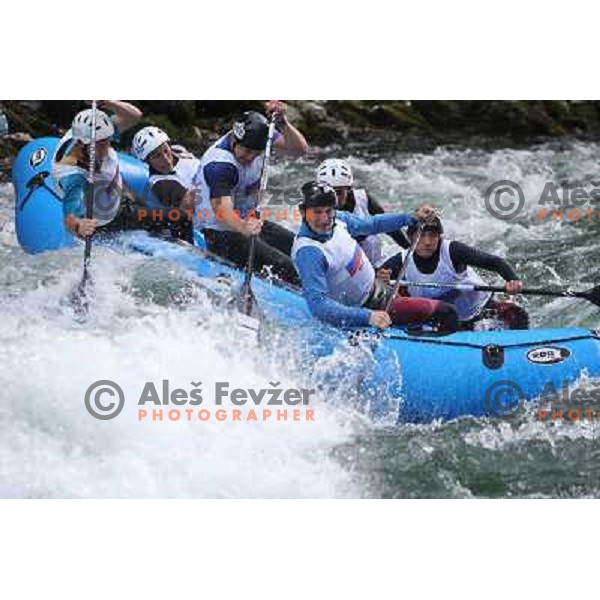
(51, 447)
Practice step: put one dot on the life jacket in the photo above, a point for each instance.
(108, 183)
(468, 304)
(244, 194)
(350, 274)
(184, 171)
(372, 243)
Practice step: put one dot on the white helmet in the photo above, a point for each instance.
(147, 140)
(335, 172)
(81, 127)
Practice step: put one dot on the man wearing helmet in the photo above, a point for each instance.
(338, 280)
(72, 166)
(338, 174)
(228, 181)
(436, 260)
(172, 170)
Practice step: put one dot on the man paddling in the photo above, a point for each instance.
(441, 261)
(111, 211)
(338, 174)
(172, 171)
(338, 280)
(228, 181)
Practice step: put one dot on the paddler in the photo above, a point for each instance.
(112, 210)
(338, 174)
(228, 181)
(172, 171)
(338, 280)
(442, 261)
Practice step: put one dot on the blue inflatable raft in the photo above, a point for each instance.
(424, 377)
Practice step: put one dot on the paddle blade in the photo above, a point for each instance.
(592, 295)
(246, 303)
(79, 300)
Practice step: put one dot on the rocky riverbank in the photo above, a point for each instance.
(417, 125)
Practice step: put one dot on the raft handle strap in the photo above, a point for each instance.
(36, 182)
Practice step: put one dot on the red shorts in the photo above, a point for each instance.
(405, 310)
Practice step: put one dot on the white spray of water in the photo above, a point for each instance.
(51, 447)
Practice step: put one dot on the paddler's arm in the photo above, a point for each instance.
(362, 226)
(312, 267)
(291, 141)
(126, 114)
(463, 256)
(172, 194)
(223, 207)
(74, 187)
(400, 238)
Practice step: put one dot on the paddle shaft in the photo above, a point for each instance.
(402, 271)
(469, 287)
(89, 203)
(264, 176)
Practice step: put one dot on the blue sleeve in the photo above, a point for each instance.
(221, 178)
(312, 267)
(74, 187)
(359, 226)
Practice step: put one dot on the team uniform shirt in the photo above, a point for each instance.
(170, 188)
(468, 304)
(372, 243)
(337, 277)
(349, 274)
(73, 184)
(219, 175)
(359, 202)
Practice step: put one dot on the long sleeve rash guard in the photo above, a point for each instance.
(312, 267)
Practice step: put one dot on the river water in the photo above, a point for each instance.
(149, 322)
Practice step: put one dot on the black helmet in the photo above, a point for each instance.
(251, 130)
(431, 224)
(317, 195)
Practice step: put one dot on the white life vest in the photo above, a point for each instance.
(108, 184)
(372, 243)
(184, 171)
(244, 194)
(350, 276)
(468, 304)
